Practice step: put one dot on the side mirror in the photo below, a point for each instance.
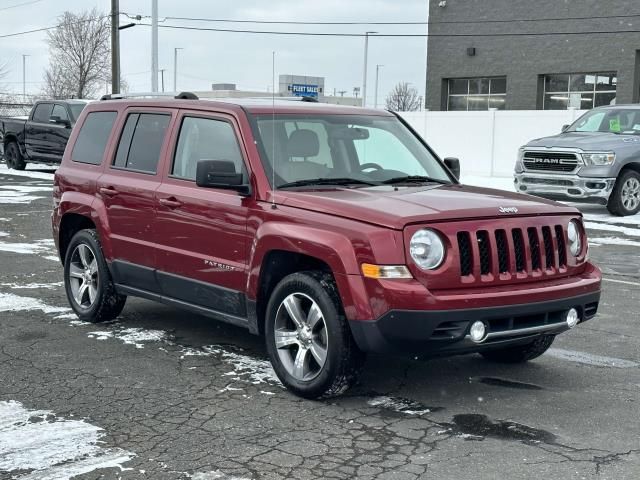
(453, 164)
(565, 128)
(59, 121)
(220, 174)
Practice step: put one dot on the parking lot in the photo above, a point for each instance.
(165, 394)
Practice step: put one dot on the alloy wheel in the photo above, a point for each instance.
(631, 194)
(83, 276)
(301, 336)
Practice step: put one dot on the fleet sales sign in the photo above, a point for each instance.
(300, 90)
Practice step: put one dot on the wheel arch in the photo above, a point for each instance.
(70, 224)
(282, 249)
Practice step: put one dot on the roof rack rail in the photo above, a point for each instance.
(179, 96)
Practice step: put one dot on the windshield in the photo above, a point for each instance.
(624, 121)
(76, 109)
(369, 150)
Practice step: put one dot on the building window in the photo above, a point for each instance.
(477, 93)
(579, 90)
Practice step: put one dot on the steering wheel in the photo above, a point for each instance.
(366, 166)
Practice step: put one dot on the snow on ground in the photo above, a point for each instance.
(30, 172)
(131, 336)
(15, 303)
(399, 405)
(245, 368)
(41, 446)
(500, 183)
(33, 286)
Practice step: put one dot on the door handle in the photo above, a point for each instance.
(170, 202)
(110, 191)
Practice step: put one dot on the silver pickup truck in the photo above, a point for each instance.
(596, 159)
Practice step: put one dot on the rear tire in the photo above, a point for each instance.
(311, 349)
(625, 197)
(13, 157)
(87, 281)
(521, 353)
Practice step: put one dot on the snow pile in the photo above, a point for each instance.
(51, 447)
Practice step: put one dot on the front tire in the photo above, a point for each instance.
(87, 281)
(521, 353)
(13, 157)
(308, 339)
(625, 197)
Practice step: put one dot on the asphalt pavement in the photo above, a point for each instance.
(164, 394)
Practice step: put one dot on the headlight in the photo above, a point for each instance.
(520, 154)
(427, 249)
(599, 158)
(573, 234)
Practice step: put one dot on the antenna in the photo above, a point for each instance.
(273, 132)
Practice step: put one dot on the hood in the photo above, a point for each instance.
(388, 207)
(583, 140)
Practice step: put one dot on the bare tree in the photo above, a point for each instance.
(403, 98)
(79, 55)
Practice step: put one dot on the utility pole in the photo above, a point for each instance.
(375, 104)
(364, 73)
(162, 76)
(175, 68)
(24, 77)
(115, 46)
(154, 45)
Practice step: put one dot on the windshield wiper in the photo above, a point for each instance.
(327, 181)
(414, 179)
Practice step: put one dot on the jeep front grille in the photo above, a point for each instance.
(557, 162)
(506, 253)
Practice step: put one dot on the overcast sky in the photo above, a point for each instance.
(239, 58)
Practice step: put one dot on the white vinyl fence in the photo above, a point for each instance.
(487, 142)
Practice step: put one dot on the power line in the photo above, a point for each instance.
(20, 5)
(300, 22)
(44, 29)
(392, 35)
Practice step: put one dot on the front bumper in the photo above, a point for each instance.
(565, 187)
(443, 333)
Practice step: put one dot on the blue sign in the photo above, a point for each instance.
(300, 90)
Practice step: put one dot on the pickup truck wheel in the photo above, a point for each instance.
(625, 198)
(308, 339)
(87, 280)
(13, 157)
(520, 354)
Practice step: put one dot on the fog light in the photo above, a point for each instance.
(572, 318)
(478, 331)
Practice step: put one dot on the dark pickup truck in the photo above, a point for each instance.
(42, 137)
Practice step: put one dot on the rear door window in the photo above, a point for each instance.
(93, 137)
(61, 112)
(42, 113)
(141, 142)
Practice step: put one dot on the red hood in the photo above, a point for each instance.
(392, 208)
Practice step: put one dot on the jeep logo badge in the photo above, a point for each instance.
(508, 210)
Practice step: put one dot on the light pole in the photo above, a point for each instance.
(24, 77)
(364, 73)
(115, 46)
(154, 45)
(162, 75)
(375, 105)
(175, 68)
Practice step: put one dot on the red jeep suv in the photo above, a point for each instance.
(332, 231)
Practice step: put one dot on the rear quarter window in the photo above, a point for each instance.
(93, 137)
